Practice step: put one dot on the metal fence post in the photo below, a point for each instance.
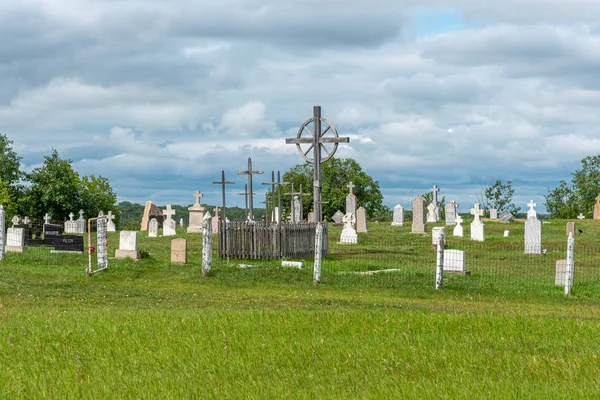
(318, 253)
(439, 266)
(570, 264)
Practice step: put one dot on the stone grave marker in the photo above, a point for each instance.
(533, 234)
(110, 224)
(81, 224)
(298, 217)
(458, 229)
(215, 220)
(571, 228)
(65, 244)
(102, 249)
(351, 200)
(506, 216)
(597, 208)
(153, 228)
(2, 232)
(349, 235)
(181, 222)
(311, 216)
(128, 245)
(477, 227)
(454, 262)
(418, 223)
(451, 212)
(436, 233)
(361, 220)
(196, 215)
(398, 217)
(338, 217)
(580, 216)
(434, 192)
(560, 271)
(169, 224)
(531, 212)
(431, 213)
(15, 238)
(493, 213)
(151, 210)
(70, 225)
(506, 233)
(179, 251)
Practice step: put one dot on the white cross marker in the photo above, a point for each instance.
(476, 212)
(198, 195)
(71, 215)
(351, 187)
(169, 212)
(47, 218)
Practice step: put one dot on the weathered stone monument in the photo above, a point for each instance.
(311, 216)
(436, 233)
(2, 232)
(169, 224)
(153, 228)
(361, 220)
(349, 235)
(418, 223)
(128, 245)
(431, 213)
(398, 218)
(533, 231)
(179, 251)
(477, 227)
(434, 192)
(451, 212)
(196, 215)
(70, 225)
(597, 208)
(110, 224)
(151, 210)
(458, 229)
(338, 217)
(297, 203)
(571, 228)
(15, 237)
(493, 213)
(81, 224)
(351, 200)
(215, 220)
(506, 216)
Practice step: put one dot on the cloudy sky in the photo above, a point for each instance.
(160, 96)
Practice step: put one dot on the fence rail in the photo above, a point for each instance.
(252, 241)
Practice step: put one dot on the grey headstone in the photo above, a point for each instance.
(298, 217)
(153, 228)
(361, 220)
(559, 275)
(450, 209)
(505, 216)
(493, 213)
(418, 223)
(338, 217)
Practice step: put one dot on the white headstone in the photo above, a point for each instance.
(560, 272)
(451, 212)
(533, 236)
(70, 225)
(506, 233)
(531, 212)
(458, 229)
(477, 227)
(128, 245)
(435, 202)
(432, 213)
(81, 224)
(47, 218)
(398, 219)
(454, 261)
(110, 225)
(153, 228)
(349, 235)
(181, 222)
(169, 224)
(493, 213)
(102, 243)
(298, 217)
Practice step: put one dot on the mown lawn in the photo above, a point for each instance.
(151, 329)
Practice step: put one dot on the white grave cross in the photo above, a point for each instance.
(110, 216)
(47, 218)
(351, 187)
(580, 216)
(169, 212)
(71, 215)
(15, 220)
(531, 212)
(476, 212)
(198, 195)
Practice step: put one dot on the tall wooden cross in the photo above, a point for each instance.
(272, 183)
(277, 183)
(250, 172)
(245, 194)
(316, 142)
(198, 195)
(223, 183)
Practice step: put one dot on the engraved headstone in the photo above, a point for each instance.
(110, 224)
(477, 227)
(15, 240)
(418, 210)
(436, 233)
(153, 228)
(431, 213)
(196, 215)
(398, 218)
(454, 262)
(169, 224)
(70, 225)
(128, 245)
(65, 244)
(349, 235)
(493, 213)
(81, 224)
(458, 229)
(361, 220)
(506, 216)
(533, 235)
(450, 209)
(102, 245)
(179, 251)
(571, 228)
(351, 200)
(338, 217)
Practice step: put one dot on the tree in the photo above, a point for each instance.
(97, 195)
(568, 201)
(499, 196)
(336, 174)
(10, 176)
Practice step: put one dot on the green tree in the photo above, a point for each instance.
(499, 196)
(10, 177)
(95, 195)
(336, 174)
(560, 201)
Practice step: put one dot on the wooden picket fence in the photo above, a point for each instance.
(261, 241)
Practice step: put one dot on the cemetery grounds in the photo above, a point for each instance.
(152, 329)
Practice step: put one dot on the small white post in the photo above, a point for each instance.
(439, 266)
(318, 253)
(2, 232)
(206, 244)
(570, 263)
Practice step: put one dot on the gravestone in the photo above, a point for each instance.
(398, 218)
(477, 227)
(196, 216)
(533, 235)
(102, 243)
(65, 244)
(597, 208)
(361, 220)
(70, 225)
(437, 233)
(560, 271)
(110, 224)
(434, 196)
(349, 235)
(128, 245)
(179, 251)
(311, 216)
(493, 213)
(298, 217)
(351, 200)
(531, 212)
(506, 233)
(458, 229)
(181, 222)
(153, 228)
(506, 216)
(81, 224)
(431, 213)
(151, 210)
(580, 216)
(454, 262)
(275, 215)
(418, 223)
(451, 212)
(571, 228)
(15, 238)
(169, 224)
(338, 217)
(215, 220)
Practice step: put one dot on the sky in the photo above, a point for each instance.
(160, 96)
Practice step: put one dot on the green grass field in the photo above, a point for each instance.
(151, 329)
